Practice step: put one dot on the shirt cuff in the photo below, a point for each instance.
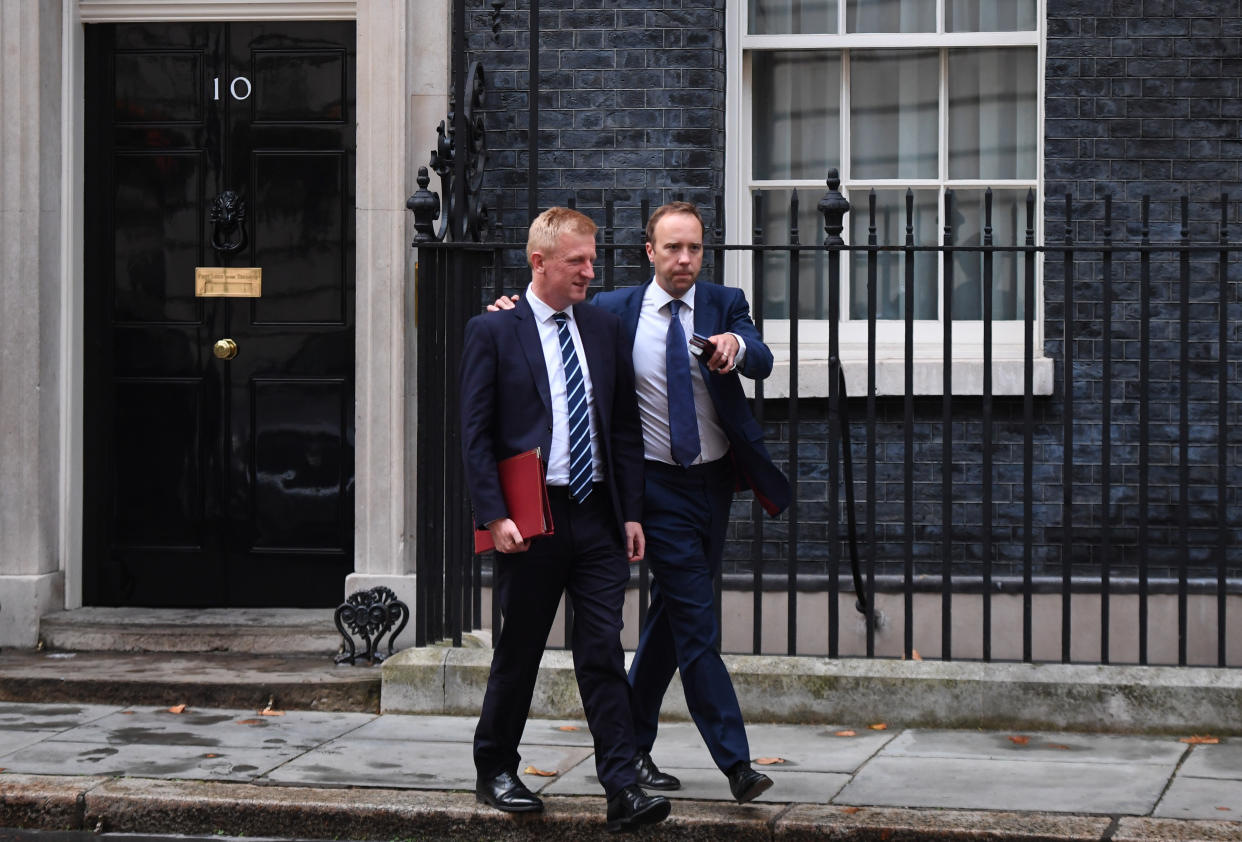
(741, 350)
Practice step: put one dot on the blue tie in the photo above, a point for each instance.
(580, 467)
(683, 423)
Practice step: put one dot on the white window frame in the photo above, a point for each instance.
(1008, 343)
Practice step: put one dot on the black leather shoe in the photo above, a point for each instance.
(507, 792)
(746, 784)
(632, 808)
(650, 776)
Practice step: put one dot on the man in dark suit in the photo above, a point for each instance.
(555, 374)
(701, 443)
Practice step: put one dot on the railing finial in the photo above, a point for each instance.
(426, 207)
(834, 207)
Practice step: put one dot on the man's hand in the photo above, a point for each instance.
(635, 542)
(721, 362)
(506, 537)
(502, 303)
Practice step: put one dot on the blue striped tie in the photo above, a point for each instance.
(580, 467)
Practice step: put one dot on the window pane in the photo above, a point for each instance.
(989, 15)
(893, 109)
(890, 16)
(812, 265)
(992, 113)
(793, 17)
(797, 113)
(1008, 229)
(890, 223)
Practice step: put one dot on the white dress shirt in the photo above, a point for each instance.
(549, 336)
(652, 380)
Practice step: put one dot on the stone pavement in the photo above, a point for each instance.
(348, 775)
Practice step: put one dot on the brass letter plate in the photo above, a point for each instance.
(230, 282)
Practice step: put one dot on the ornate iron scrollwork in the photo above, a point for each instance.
(228, 218)
(370, 615)
(471, 221)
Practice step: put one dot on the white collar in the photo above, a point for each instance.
(543, 312)
(658, 296)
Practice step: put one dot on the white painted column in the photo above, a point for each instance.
(402, 95)
(31, 581)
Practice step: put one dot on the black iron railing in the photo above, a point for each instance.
(1120, 484)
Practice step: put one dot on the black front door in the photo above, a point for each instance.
(210, 480)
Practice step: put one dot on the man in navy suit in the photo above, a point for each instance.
(690, 484)
(555, 373)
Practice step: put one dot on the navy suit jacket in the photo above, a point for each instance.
(506, 404)
(720, 309)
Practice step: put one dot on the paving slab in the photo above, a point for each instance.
(807, 748)
(190, 762)
(1223, 760)
(428, 729)
(1201, 798)
(982, 784)
(1051, 747)
(11, 741)
(15, 716)
(417, 765)
(215, 727)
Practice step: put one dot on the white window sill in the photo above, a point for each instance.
(890, 374)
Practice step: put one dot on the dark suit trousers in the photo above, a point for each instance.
(684, 518)
(585, 557)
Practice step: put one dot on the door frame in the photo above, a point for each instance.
(389, 140)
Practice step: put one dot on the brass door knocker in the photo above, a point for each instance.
(228, 215)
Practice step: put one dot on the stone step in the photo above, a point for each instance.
(271, 631)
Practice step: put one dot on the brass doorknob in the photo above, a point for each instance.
(224, 349)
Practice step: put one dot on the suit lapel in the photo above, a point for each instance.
(705, 325)
(528, 338)
(704, 310)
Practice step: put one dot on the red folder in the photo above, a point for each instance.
(524, 485)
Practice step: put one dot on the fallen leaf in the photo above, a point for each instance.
(1058, 746)
(850, 810)
(270, 712)
(1204, 740)
(769, 761)
(1226, 809)
(1021, 740)
(567, 728)
(211, 755)
(177, 709)
(878, 726)
(915, 656)
(249, 721)
(846, 734)
(127, 713)
(531, 770)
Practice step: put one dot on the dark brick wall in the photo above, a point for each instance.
(631, 105)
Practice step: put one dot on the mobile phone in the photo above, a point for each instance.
(701, 345)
